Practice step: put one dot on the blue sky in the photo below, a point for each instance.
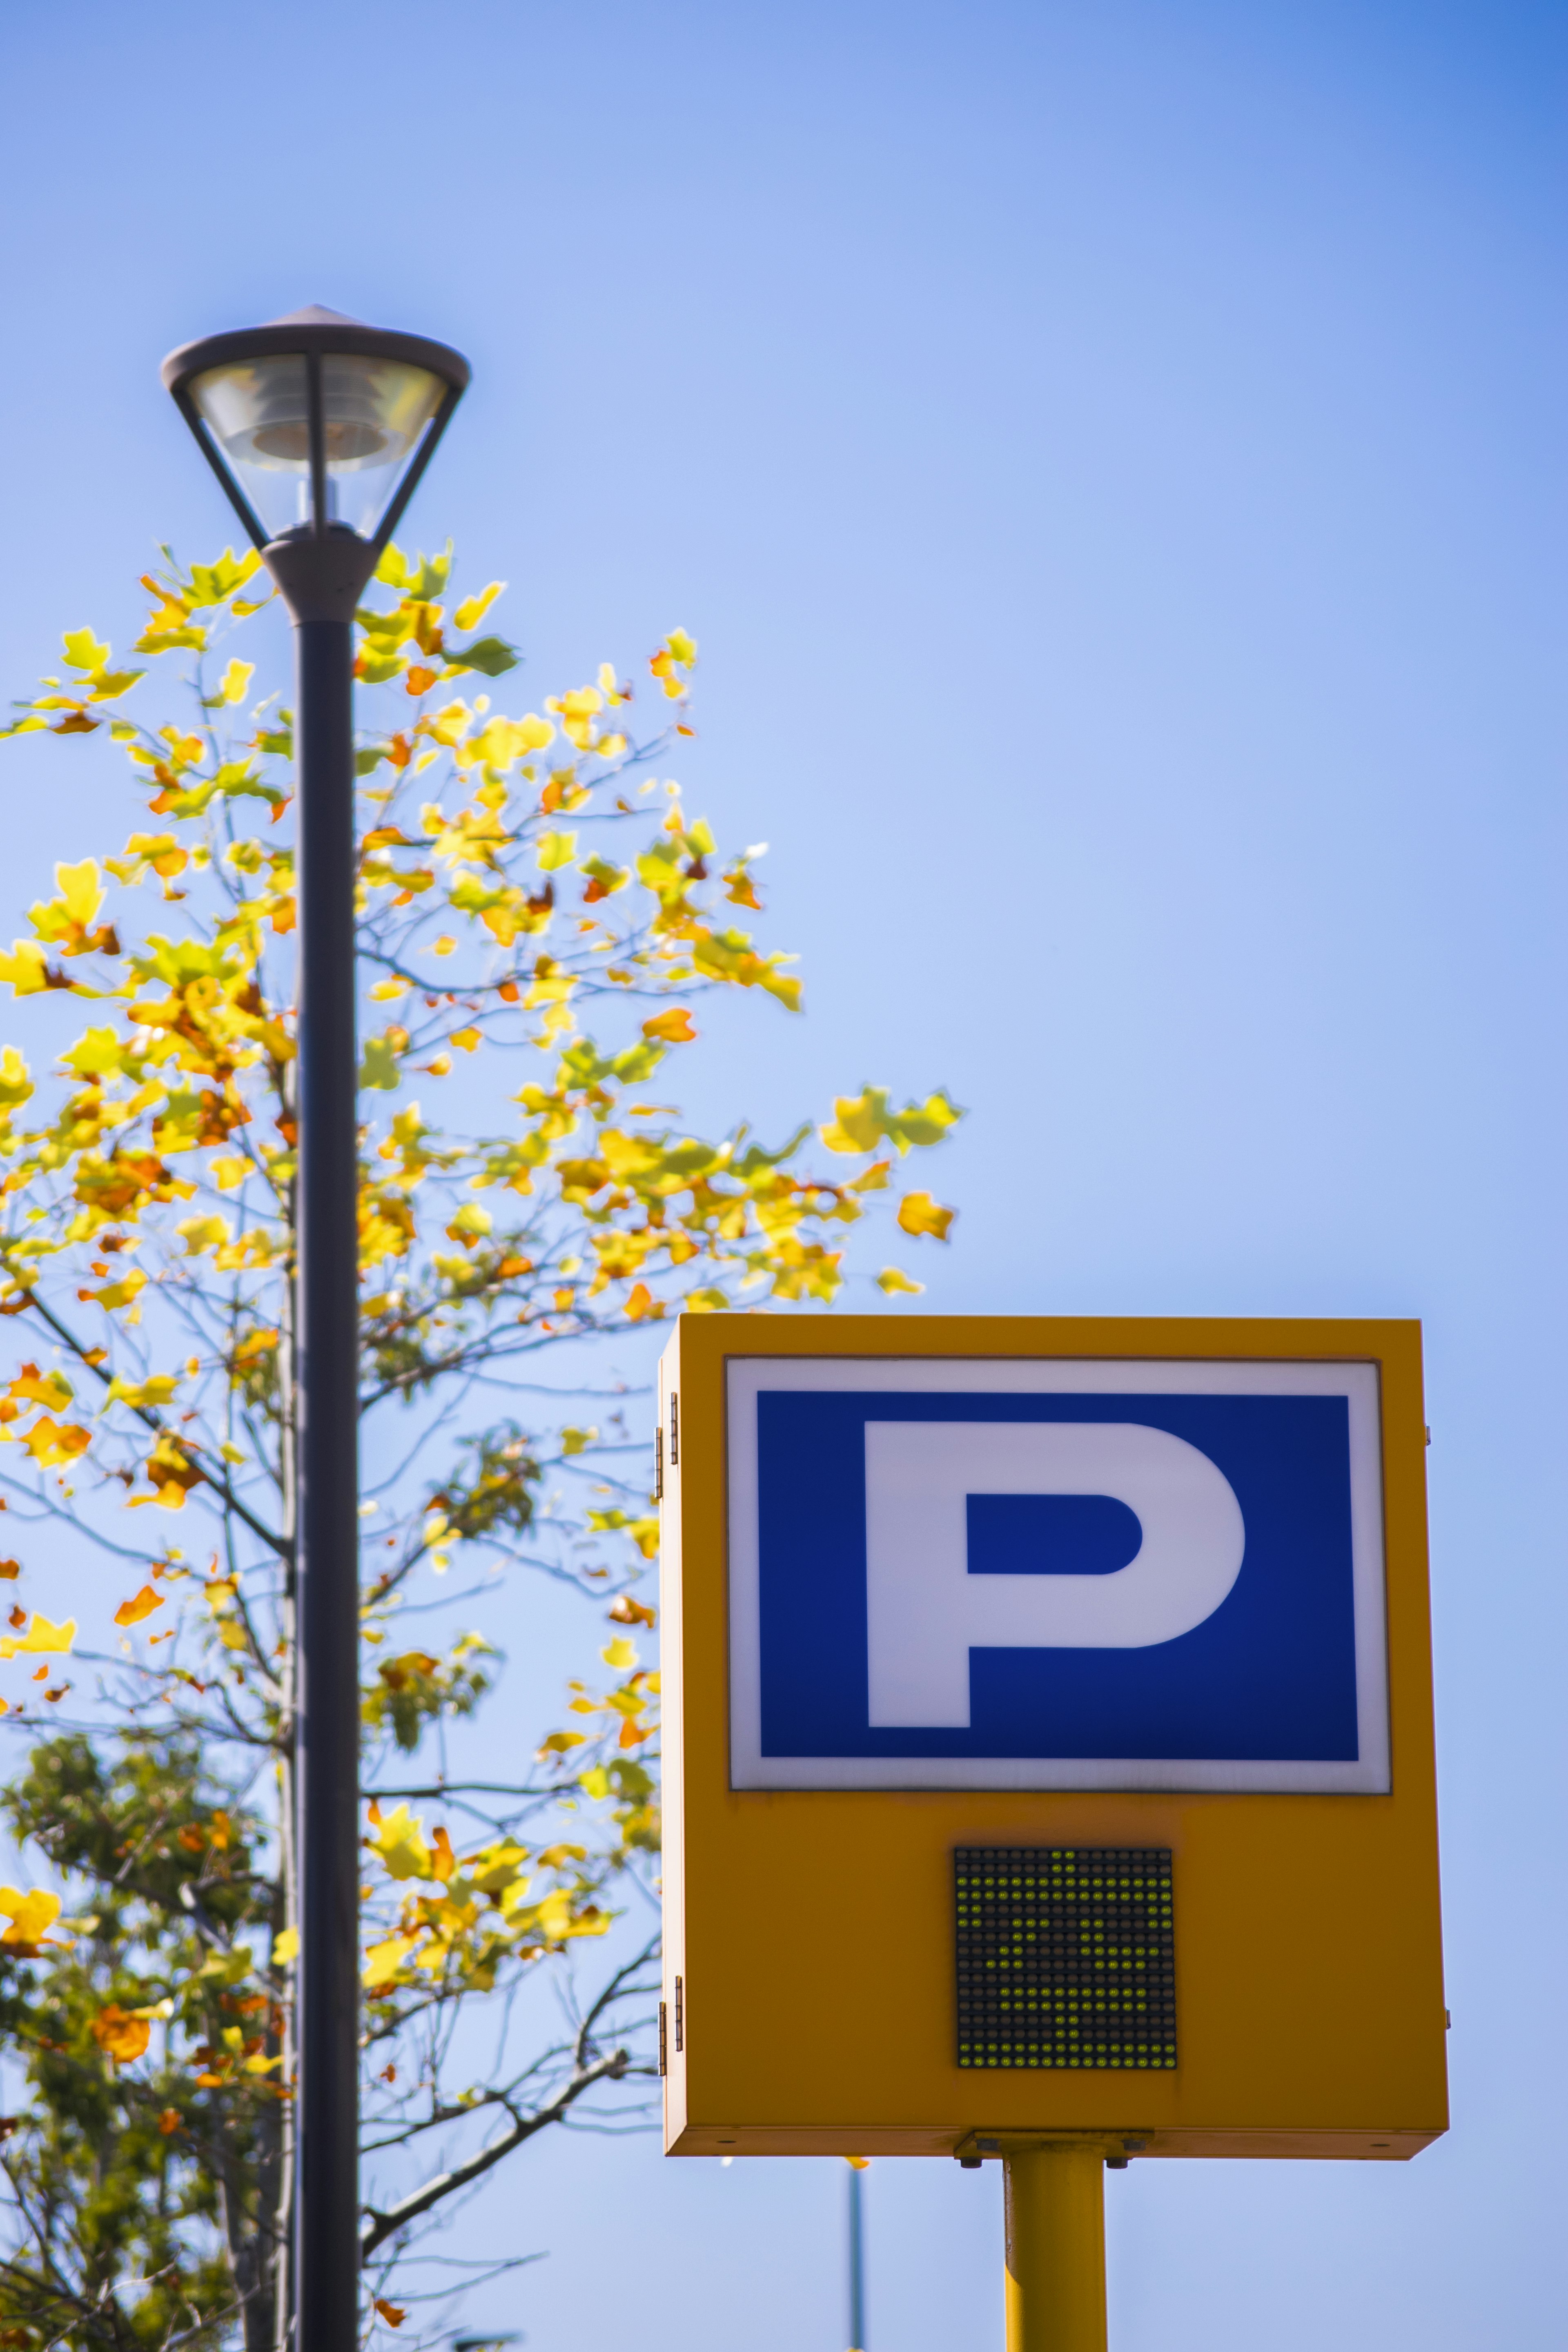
(1111, 459)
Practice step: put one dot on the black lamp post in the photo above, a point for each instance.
(319, 427)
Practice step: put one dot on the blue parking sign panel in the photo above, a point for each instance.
(1005, 1574)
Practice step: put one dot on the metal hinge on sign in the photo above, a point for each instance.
(674, 1428)
(663, 2044)
(659, 1465)
(679, 2014)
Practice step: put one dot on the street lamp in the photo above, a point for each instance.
(319, 427)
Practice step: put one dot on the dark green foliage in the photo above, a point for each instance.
(133, 2180)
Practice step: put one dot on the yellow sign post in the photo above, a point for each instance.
(1049, 1759)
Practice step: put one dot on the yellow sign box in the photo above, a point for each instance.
(1049, 1749)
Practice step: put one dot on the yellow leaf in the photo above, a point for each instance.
(157, 1389)
(919, 1213)
(84, 652)
(51, 1442)
(81, 889)
(620, 1654)
(472, 609)
(285, 1947)
(54, 1641)
(15, 1083)
(228, 1173)
(29, 1913)
(467, 1039)
(555, 850)
(117, 1294)
(130, 1613)
(33, 1387)
(449, 724)
(890, 1279)
(27, 969)
(203, 1233)
(382, 1961)
(235, 679)
(402, 1848)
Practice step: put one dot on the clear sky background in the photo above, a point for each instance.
(1111, 459)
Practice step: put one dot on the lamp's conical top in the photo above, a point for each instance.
(316, 314)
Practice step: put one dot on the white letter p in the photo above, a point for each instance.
(925, 1612)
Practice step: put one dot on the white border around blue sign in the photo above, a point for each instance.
(1368, 1773)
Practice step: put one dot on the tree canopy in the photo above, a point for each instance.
(527, 972)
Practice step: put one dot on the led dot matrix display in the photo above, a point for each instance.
(1066, 1957)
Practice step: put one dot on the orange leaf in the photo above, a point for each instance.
(627, 1612)
(122, 2036)
(130, 1613)
(392, 2313)
(674, 1027)
(169, 2121)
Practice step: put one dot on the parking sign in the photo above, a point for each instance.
(1047, 1616)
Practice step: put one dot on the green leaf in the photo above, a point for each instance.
(863, 1122)
(610, 878)
(108, 685)
(379, 1067)
(419, 581)
(637, 1063)
(214, 583)
(374, 668)
(492, 655)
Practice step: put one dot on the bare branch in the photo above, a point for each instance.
(523, 2128)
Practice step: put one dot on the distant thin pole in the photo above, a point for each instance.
(856, 2258)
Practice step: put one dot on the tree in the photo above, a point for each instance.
(145, 1260)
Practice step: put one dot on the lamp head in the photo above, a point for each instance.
(318, 426)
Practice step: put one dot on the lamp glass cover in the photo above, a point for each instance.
(374, 415)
